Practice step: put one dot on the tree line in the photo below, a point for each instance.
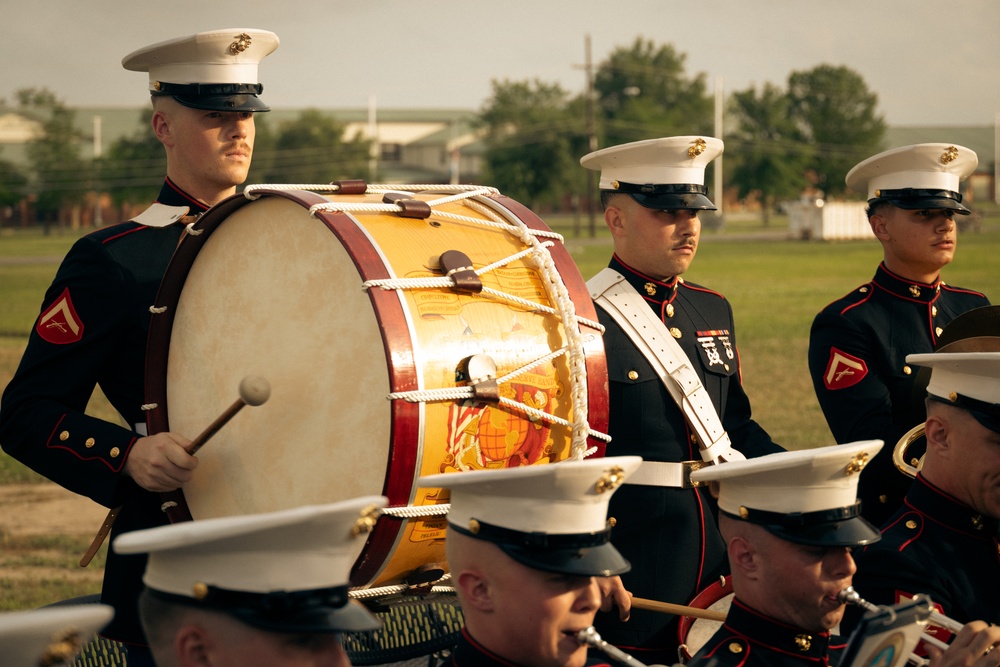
(778, 140)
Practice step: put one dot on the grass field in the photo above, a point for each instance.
(776, 287)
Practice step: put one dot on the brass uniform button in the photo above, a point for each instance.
(670, 310)
(744, 512)
(473, 526)
(115, 452)
(612, 521)
(938, 331)
(64, 436)
(883, 499)
(694, 438)
(735, 647)
(907, 370)
(88, 443)
(633, 375)
(200, 591)
(863, 290)
(933, 311)
(675, 332)
(911, 524)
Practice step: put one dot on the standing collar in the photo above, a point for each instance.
(904, 288)
(775, 635)
(657, 291)
(172, 195)
(945, 509)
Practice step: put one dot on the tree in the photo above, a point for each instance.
(527, 140)
(61, 176)
(12, 184)
(766, 157)
(132, 170)
(644, 93)
(312, 149)
(835, 112)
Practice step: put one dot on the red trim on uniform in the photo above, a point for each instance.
(125, 233)
(702, 289)
(868, 295)
(54, 429)
(200, 206)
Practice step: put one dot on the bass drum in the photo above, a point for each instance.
(693, 633)
(370, 333)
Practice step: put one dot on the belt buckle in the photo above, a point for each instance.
(689, 467)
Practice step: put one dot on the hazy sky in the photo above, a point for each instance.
(931, 62)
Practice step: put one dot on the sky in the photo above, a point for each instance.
(930, 62)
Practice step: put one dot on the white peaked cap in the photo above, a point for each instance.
(249, 558)
(803, 494)
(54, 635)
(229, 55)
(550, 516)
(667, 160)
(967, 380)
(921, 167)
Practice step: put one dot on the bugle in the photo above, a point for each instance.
(850, 596)
(590, 637)
(912, 467)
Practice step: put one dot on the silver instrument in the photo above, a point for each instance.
(590, 637)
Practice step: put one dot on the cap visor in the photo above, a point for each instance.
(223, 102)
(913, 204)
(853, 532)
(669, 202)
(352, 617)
(600, 561)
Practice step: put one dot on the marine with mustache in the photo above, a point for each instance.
(652, 192)
(95, 316)
(858, 344)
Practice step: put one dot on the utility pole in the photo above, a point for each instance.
(717, 163)
(373, 148)
(591, 136)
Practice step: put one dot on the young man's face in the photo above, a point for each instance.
(804, 582)
(273, 649)
(660, 244)
(538, 615)
(916, 242)
(208, 152)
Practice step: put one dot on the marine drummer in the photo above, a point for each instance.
(95, 316)
(652, 192)
(527, 549)
(858, 344)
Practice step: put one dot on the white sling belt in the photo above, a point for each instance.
(618, 298)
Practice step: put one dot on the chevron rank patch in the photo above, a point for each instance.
(843, 370)
(59, 324)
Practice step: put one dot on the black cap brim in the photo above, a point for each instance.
(602, 560)
(853, 532)
(233, 103)
(352, 617)
(923, 203)
(671, 202)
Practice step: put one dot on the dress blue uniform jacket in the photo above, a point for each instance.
(750, 639)
(937, 546)
(669, 535)
(97, 312)
(857, 359)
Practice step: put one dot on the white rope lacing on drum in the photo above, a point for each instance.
(449, 282)
(250, 191)
(537, 256)
(382, 591)
(414, 511)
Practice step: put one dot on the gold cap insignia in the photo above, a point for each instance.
(950, 155)
(366, 522)
(241, 44)
(697, 148)
(610, 480)
(650, 288)
(857, 464)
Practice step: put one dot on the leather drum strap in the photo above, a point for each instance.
(618, 298)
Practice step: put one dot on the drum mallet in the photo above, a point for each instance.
(254, 390)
